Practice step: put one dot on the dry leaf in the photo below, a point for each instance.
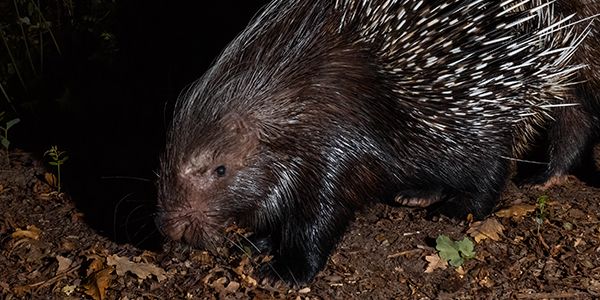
(63, 264)
(435, 262)
(31, 232)
(486, 229)
(98, 283)
(69, 289)
(41, 187)
(249, 281)
(516, 211)
(77, 217)
(232, 287)
(141, 270)
(68, 245)
(51, 179)
(219, 284)
(97, 264)
(211, 274)
(470, 218)
(239, 270)
(461, 271)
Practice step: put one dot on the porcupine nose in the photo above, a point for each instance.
(173, 227)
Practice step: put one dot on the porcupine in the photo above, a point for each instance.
(320, 107)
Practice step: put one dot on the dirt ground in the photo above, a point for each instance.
(530, 250)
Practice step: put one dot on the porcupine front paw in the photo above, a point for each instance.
(292, 270)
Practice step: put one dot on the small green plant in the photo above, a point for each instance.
(4, 134)
(58, 159)
(456, 252)
(540, 211)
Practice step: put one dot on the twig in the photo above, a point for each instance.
(37, 8)
(548, 295)
(541, 238)
(54, 279)
(8, 99)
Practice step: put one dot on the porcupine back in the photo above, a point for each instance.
(320, 107)
(463, 74)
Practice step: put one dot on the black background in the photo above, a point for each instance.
(112, 121)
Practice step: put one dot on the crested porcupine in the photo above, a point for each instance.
(320, 107)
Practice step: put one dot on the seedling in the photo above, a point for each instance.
(4, 134)
(540, 211)
(456, 252)
(58, 158)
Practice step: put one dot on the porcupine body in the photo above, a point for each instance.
(573, 131)
(321, 107)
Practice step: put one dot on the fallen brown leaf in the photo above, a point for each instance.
(211, 274)
(69, 289)
(241, 270)
(249, 281)
(487, 229)
(31, 232)
(97, 284)
(516, 211)
(232, 287)
(435, 262)
(51, 179)
(141, 270)
(63, 264)
(96, 264)
(41, 187)
(77, 217)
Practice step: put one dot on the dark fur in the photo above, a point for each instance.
(575, 130)
(305, 122)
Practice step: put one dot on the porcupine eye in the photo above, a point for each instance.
(220, 171)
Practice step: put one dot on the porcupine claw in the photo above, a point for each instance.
(415, 201)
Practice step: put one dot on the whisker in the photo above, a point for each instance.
(128, 220)
(117, 206)
(128, 177)
(148, 236)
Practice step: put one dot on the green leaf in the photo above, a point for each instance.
(12, 122)
(457, 262)
(52, 163)
(5, 143)
(455, 252)
(466, 248)
(447, 249)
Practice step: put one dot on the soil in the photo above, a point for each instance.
(538, 248)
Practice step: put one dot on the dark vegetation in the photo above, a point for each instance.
(98, 78)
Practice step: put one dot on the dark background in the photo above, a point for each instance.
(107, 103)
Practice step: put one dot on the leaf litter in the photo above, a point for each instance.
(48, 251)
